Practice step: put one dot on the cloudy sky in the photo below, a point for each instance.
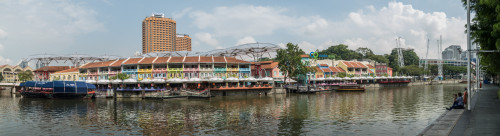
(113, 27)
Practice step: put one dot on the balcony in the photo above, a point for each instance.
(244, 69)
(160, 70)
(191, 69)
(145, 70)
(129, 70)
(113, 72)
(220, 70)
(92, 73)
(206, 69)
(174, 69)
(232, 69)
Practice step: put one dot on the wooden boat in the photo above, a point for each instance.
(350, 88)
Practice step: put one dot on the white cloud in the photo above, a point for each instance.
(179, 15)
(45, 26)
(5, 61)
(207, 39)
(3, 34)
(245, 20)
(375, 28)
(245, 40)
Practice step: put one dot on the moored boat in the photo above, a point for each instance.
(57, 89)
(350, 88)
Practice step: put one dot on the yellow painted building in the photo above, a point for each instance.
(9, 73)
(68, 75)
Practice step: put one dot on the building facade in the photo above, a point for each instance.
(353, 68)
(452, 52)
(159, 35)
(173, 67)
(9, 73)
(381, 69)
(450, 62)
(67, 75)
(183, 42)
(43, 73)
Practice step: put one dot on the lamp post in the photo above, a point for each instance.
(468, 56)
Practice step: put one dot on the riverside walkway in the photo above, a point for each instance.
(482, 120)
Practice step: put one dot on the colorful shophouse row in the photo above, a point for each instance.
(186, 67)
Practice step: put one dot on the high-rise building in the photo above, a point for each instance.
(159, 34)
(183, 42)
(452, 52)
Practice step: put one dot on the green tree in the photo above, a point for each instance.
(485, 31)
(342, 52)
(379, 58)
(290, 61)
(121, 76)
(365, 52)
(412, 70)
(25, 76)
(341, 75)
(409, 55)
(1, 77)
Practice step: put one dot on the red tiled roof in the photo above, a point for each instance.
(242, 61)
(161, 60)
(318, 69)
(231, 60)
(219, 60)
(336, 69)
(98, 64)
(132, 61)
(269, 65)
(68, 70)
(326, 70)
(52, 68)
(1, 66)
(351, 64)
(193, 59)
(304, 56)
(370, 66)
(369, 71)
(324, 65)
(148, 60)
(206, 59)
(117, 63)
(176, 60)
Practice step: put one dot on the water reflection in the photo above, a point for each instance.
(389, 111)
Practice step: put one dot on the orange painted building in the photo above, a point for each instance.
(159, 35)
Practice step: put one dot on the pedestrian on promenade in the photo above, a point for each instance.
(458, 103)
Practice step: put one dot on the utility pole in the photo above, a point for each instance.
(468, 56)
(440, 59)
(426, 59)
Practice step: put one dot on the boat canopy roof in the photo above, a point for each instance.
(69, 86)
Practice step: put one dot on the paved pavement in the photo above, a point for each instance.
(484, 117)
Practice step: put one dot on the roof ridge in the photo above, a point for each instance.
(155, 60)
(113, 62)
(170, 57)
(141, 60)
(184, 59)
(126, 60)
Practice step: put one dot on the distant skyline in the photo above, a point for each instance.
(112, 27)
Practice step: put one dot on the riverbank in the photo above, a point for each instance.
(482, 119)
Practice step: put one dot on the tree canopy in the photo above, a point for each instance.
(485, 31)
(409, 58)
(290, 61)
(25, 76)
(1, 77)
(342, 52)
(121, 76)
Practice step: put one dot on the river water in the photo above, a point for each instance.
(376, 111)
